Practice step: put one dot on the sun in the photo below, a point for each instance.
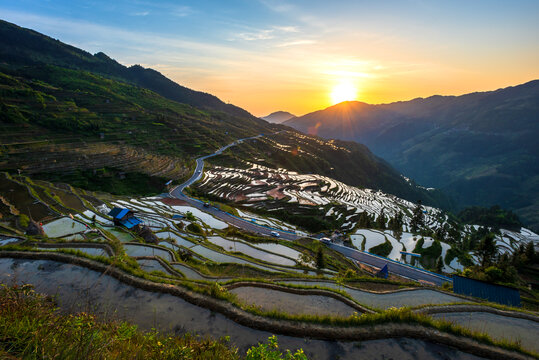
(343, 91)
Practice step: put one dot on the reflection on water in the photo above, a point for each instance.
(143, 250)
(81, 289)
(238, 246)
(499, 327)
(385, 301)
(269, 299)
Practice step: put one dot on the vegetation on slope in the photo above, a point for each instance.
(479, 148)
(27, 47)
(494, 217)
(31, 327)
(72, 106)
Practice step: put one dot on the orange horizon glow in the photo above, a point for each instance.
(266, 93)
(293, 58)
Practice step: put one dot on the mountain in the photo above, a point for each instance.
(480, 148)
(278, 117)
(70, 116)
(27, 47)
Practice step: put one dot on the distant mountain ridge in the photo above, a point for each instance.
(28, 47)
(84, 112)
(481, 148)
(278, 117)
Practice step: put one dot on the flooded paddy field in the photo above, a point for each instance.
(499, 327)
(145, 250)
(62, 227)
(386, 300)
(238, 246)
(269, 299)
(80, 289)
(94, 251)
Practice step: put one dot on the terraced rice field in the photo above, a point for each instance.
(144, 250)
(78, 289)
(238, 246)
(269, 299)
(256, 182)
(408, 298)
(499, 327)
(62, 227)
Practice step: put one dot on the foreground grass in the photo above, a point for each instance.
(215, 290)
(32, 328)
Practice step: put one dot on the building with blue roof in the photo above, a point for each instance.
(125, 218)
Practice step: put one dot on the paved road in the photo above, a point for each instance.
(177, 192)
(363, 257)
(393, 267)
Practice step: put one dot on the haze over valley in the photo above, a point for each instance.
(151, 208)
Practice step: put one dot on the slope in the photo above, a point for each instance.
(62, 115)
(480, 148)
(27, 47)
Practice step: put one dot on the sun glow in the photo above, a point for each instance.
(343, 91)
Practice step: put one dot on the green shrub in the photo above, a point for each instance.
(270, 351)
(24, 221)
(384, 249)
(493, 273)
(194, 228)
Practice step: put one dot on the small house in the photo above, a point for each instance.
(124, 217)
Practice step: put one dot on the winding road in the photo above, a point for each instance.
(394, 267)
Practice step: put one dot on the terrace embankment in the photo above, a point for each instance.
(186, 310)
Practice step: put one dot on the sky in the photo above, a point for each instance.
(304, 55)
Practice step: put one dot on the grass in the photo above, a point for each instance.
(392, 315)
(32, 328)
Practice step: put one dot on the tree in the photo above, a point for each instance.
(417, 218)
(381, 221)
(439, 265)
(530, 252)
(395, 224)
(487, 250)
(189, 216)
(320, 261)
(364, 221)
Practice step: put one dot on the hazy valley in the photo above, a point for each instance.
(169, 224)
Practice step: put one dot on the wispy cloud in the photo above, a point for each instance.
(287, 29)
(296, 43)
(273, 32)
(257, 35)
(181, 11)
(140, 13)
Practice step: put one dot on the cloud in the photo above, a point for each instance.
(297, 43)
(266, 34)
(181, 11)
(258, 35)
(287, 29)
(141, 13)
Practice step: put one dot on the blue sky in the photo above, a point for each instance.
(269, 55)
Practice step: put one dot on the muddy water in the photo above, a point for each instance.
(179, 240)
(62, 227)
(279, 249)
(142, 250)
(499, 327)
(384, 301)
(238, 246)
(80, 289)
(18, 196)
(269, 299)
(87, 250)
(119, 234)
(152, 265)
